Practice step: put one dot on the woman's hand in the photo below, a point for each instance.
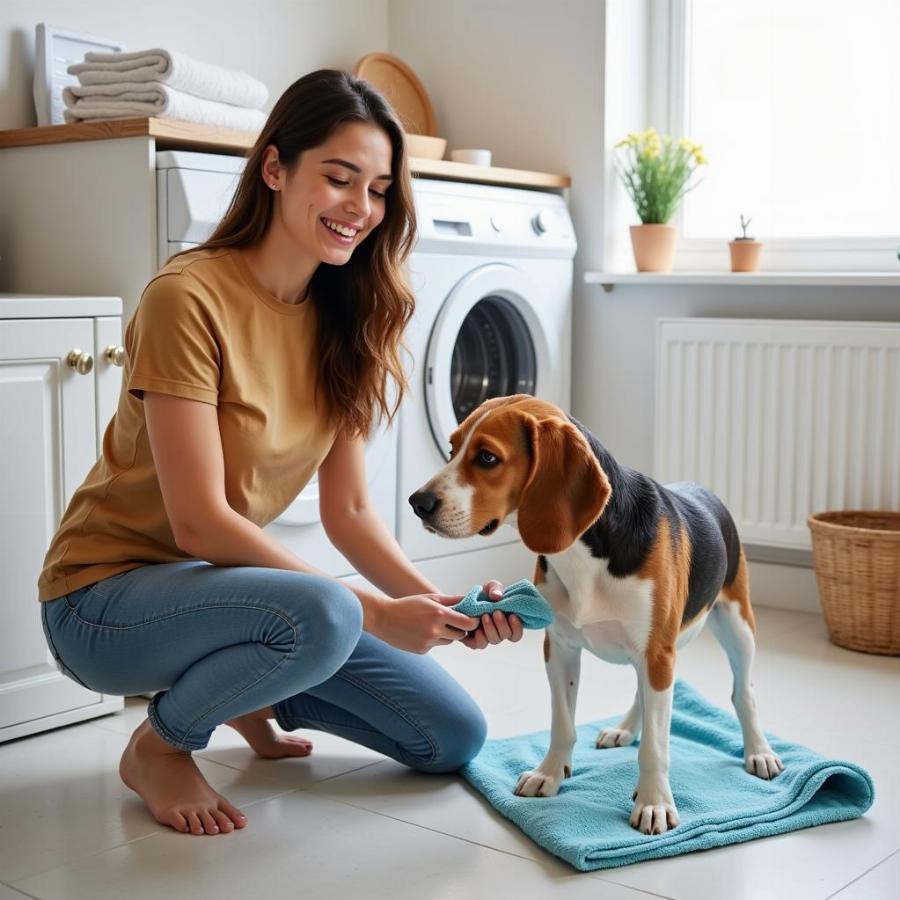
(422, 621)
(497, 626)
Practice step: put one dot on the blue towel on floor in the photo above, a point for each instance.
(520, 597)
(718, 802)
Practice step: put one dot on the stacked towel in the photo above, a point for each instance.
(164, 83)
(154, 99)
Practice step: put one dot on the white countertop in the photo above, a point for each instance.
(53, 306)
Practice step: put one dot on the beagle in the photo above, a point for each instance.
(633, 570)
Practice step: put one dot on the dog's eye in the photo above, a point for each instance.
(486, 458)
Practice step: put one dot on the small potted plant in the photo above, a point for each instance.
(656, 172)
(745, 251)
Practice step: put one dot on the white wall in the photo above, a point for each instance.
(276, 41)
(524, 78)
(521, 77)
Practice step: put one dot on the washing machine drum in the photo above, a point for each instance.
(493, 356)
(487, 341)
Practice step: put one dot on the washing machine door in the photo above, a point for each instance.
(487, 341)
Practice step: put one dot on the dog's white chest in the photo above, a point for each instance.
(609, 616)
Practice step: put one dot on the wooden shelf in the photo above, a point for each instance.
(171, 134)
(439, 168)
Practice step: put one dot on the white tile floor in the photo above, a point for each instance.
(348, 821)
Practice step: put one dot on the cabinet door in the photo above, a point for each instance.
(47, 445)
(107, 372)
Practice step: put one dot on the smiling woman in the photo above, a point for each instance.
(254, 361)
(327, 172)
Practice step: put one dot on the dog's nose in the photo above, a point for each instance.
(424, 503)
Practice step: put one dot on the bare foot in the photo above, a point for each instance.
(258, 732)
(171, 785)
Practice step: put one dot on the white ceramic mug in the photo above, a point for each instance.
(473, 157)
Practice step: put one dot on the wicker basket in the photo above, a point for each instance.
(857, 562)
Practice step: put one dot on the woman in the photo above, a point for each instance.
(252, 362)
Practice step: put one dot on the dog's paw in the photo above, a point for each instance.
(653, 817)
(654, 809)
(544, 781)
(614, 737)
(764, 764)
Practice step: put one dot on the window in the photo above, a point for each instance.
(795, 105)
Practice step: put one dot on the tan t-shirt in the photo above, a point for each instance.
(207, 330)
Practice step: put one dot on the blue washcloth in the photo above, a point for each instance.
(520, 597)
(718, 803)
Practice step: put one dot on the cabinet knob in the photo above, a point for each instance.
(83, 363)
(115, 355)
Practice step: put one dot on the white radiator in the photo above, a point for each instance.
(780, 419)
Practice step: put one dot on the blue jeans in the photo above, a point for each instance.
(220, 641)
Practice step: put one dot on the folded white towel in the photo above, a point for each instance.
(154, 99)
(175, 70)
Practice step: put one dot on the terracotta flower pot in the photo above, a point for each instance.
(745, 255)
(654, 247)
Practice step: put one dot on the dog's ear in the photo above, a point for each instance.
(566, 488)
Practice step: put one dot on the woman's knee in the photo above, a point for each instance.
(330, 616)
(458, 738)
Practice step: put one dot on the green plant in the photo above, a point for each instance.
(656, 172)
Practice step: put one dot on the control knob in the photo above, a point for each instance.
(542, 222)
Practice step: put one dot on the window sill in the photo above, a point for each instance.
(608, 280)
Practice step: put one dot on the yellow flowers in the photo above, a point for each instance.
(649, 143)
(657, 171)
(637, 140)
(694, 150)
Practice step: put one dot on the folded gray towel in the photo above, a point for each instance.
(175, 70)
(153, 99)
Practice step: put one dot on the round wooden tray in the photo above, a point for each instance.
(402, 89)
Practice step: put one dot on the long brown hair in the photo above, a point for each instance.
(363, 306)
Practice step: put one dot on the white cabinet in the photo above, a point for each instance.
(52, 417)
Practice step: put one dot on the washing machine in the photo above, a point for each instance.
(193, 193)
(492, 273)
